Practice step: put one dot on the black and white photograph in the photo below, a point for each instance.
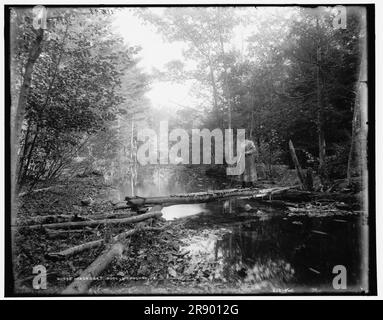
(165, 150)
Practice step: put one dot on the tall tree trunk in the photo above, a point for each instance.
(321, 136)
(354, 129)
(18, 120)
(320, 118)
(357, 158)
(226, 79)
(34, 53)
(23, 152)
(20, 178)
(214, 87)
(251, 133)
(28, 156)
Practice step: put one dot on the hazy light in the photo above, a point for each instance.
(155, 53)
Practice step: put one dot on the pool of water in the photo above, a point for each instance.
(183, 210)
(260, 248)
(267, 249)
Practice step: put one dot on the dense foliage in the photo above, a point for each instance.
(294, 78)
(76, 87)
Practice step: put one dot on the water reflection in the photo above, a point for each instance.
(183, 210)
(156, 180)
(251, 253)
(261, 247)
(279, 253)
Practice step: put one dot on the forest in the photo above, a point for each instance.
(294, 78)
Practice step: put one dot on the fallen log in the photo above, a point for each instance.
(111, 215)
(93, 244)
(52, 219)
(205, 196)
(306, 196)
(70, 225)
(121, 206)
(81, 284)
(22, 194)
(289, 194)
(52, 234)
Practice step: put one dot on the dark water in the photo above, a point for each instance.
(281, 253)
(262, 247)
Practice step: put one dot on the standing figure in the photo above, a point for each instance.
(249, 176)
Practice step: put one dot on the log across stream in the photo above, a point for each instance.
(200, 197)
(290, 194)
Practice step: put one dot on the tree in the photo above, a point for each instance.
(73, 92)
(319, 56)
(206, 31)
(357, 159)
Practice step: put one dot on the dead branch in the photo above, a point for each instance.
(76, 249)
(70, 225)
(306, 181)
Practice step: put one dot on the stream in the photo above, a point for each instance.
(261, 247)
(283, 253)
